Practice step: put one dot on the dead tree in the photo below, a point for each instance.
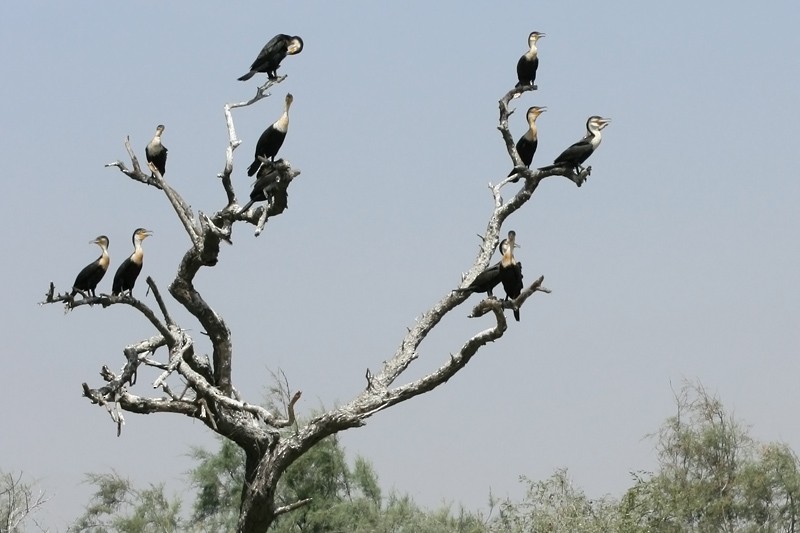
(210, 395)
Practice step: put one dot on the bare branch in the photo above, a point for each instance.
(160, 301)
(234, 141)
(136, 173)
(283, 509)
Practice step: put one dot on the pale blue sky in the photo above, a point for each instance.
(678, 259)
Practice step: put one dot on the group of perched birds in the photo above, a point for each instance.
(268, 61)
(125, 278)
(574, 156)
(508, 270)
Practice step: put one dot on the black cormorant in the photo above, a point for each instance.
(511, 271)
(271, 140)
(529, 62)
(269, 185)
(574, 156)
(128, 271)
(270, 57)
(526, 145)
(156, 153)
(90, 276)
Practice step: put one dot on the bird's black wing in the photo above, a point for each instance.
(575, 154)
(272, 54)
(88, 278)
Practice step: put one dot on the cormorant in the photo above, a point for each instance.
(526, 145)
(271, 140)
(128, 271)
(529, 62)
(156, 153)
(91, 274)
(487, 280)
(269, 184)
(511, 271)
(270, 57)
(574, 156)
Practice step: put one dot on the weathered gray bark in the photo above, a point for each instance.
(210, 396)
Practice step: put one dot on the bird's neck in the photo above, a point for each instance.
(282, 124)
(104, 259)
(594, 138)
(532, 131)
(138, 252)
(508, 257)
(531, 53)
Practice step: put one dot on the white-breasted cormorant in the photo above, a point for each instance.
(270, 57)
(526, 145)
(574, 156)
(529, 62)
(91, 274)
(156, 153)
(487, 280)
(511, 271)
(128, 271)
(271, 140)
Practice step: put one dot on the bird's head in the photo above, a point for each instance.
(597, 123)
(534, 112)
(101, 241)
(295, 45)
(533, 37)
(508, 244)
(141, 234)
(159, 130)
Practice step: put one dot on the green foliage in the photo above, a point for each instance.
(711, 476)
(218, 479)
(118, 507)
(555, 505)
(19, 502)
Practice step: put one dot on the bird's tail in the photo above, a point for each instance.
(246, 207)
(247, 76)
(253, 168)
(516, 315)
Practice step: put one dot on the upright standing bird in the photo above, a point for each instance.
(574, 156)
(526, 145)
(128, 271)
(156, 153)
(511, 271)
(91, 274)
(270, 57)
(272, 139)
(529, 62)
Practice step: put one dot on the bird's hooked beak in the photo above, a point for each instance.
(604, 122)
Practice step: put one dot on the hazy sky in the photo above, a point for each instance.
(677, 260)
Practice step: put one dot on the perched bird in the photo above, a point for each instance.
(271, 140)
(529, 62)
(526, 145)
(269, 184)
(128, 271)
(511, 271)
(270, 57)
(156, 153)
(91, 274)
(487, 280)
(574, 156)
